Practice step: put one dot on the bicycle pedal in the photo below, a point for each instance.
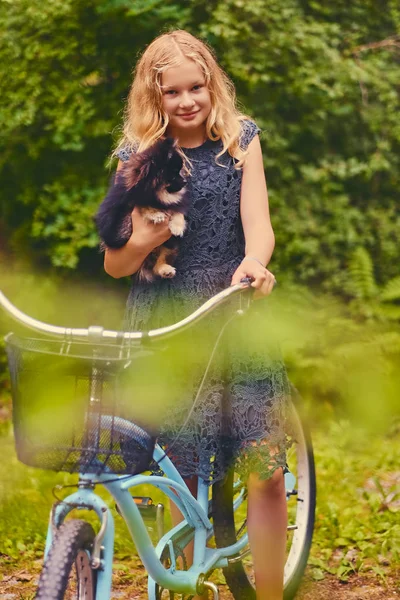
(146, 506)
(149, 511)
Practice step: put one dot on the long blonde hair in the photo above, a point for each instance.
(144, 119)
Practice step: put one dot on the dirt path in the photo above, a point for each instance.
(357, 588)
(128, 585)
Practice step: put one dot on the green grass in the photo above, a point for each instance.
(358, 509)
(357, 519)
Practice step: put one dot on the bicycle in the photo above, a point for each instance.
(106, 448)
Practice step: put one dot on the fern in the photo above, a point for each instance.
(361, 271)
(370, 302)
(391, 291)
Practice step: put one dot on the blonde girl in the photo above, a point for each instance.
(179, 90)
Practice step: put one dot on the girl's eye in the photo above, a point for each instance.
(196, 88)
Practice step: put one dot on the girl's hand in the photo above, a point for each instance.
(264, 280)
(148, 235)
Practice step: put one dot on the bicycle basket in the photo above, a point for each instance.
(82, 408)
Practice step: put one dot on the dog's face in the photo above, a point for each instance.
(158, 169)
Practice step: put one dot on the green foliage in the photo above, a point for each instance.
(306, 71)
(320, 79)
(65, 70)
(65, 230)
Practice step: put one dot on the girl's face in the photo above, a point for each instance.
(185, 97)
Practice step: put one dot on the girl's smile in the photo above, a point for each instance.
(189, 115)
(187, 102)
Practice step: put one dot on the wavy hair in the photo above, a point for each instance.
(144, 118)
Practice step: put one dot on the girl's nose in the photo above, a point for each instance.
(186, 101)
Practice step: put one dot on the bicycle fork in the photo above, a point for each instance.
(102, 555)
(103, 546)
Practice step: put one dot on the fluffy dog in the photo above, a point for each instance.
(152, 181)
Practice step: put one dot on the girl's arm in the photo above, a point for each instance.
(258, 232)
(145, 237)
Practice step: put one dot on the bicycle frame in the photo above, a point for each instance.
(196, 523)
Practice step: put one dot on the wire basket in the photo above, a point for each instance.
(80, 407)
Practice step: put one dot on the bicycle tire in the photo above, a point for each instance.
(236, 575)
(71, 547)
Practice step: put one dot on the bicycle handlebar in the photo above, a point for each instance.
(96, 333)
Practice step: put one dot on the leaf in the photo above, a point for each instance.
(343, 572)
(342, 542)
(379, 571)
(317, 574)
(21, 547)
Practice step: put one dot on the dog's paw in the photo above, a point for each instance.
(166, 271)
(176, 229)
(177, 225)
(155, 216)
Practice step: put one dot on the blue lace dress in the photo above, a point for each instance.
(240, 412)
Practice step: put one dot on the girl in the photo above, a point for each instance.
(180, 91)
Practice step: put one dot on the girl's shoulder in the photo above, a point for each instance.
(249, 131)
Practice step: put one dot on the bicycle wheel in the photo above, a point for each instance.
(67, 573)
(229, 509)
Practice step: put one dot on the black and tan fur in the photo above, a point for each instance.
(150, 180)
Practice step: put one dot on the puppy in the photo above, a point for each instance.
(152, 181)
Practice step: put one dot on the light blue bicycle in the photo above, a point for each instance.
(70, 414)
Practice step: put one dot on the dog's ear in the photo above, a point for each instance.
(144, 170)
(175, 161)
(171, 142)
(136, 169)
(170, 152)
(168, 147)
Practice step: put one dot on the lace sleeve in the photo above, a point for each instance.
(124, 154)
(249, 131)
